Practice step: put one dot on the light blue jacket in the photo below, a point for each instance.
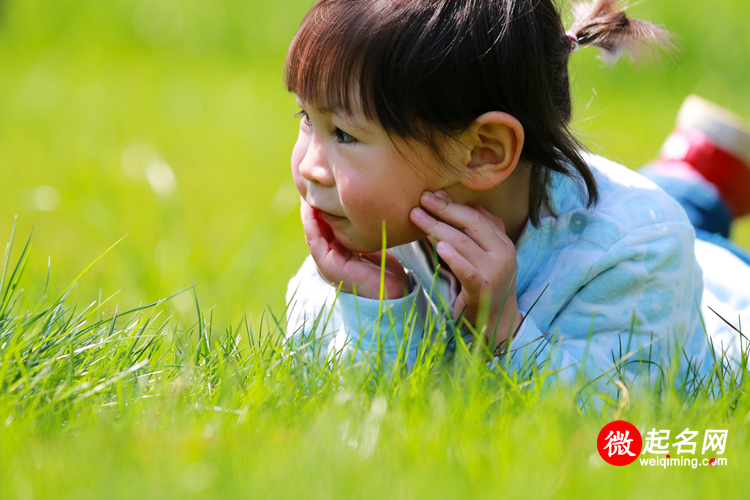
(614, 285)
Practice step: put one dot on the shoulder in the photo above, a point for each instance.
(635, 234)
(628, 260)
(625, 197)
(630, 209)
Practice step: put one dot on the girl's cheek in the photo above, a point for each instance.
(301, 188)
(298, 154)
(369, 212)
(297, 178)
(358, 209)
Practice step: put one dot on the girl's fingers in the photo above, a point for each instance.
(441, 231)
(339, 266)
(474, 223)
(497, 222)
(313, 233)
(308, 221)
(460, 266)
(324, 248)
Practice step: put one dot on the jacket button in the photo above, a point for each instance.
(577, 223)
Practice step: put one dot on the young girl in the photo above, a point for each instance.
(446, 123)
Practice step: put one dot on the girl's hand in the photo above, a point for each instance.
(338, 265)
(472, 241)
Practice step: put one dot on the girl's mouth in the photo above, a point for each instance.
(329, 218)
(325, 227)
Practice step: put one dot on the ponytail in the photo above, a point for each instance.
(601, 24)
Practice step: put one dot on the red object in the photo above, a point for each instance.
(619, 443)
(325, 229)
(730, 174)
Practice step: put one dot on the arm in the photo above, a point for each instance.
(472, 241)
(633, 308)
(331, 325)
(334, 301)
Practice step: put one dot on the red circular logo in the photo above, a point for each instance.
(712, 462)
(619, 443)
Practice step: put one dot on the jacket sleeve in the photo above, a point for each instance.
(634, 309)
(327, 324)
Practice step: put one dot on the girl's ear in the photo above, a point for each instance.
(496, 141)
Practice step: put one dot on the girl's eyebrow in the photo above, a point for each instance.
(345, 117)
(353, 123)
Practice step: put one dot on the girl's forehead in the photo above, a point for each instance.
(355, 116)
(351, 105)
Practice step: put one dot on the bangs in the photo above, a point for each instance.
(323, 62)
(342, 59)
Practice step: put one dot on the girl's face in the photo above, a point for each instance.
(352, 172)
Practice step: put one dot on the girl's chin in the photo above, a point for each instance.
(356, 245)
(359, 246)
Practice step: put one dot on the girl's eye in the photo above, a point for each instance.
(342, 137)
(339, 135)
(305, 118)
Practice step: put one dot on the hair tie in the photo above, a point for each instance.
(573, 39)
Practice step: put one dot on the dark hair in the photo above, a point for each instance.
(422, 68)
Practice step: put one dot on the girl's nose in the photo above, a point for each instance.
(315, 168)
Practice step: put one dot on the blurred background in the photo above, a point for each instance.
(167, 120)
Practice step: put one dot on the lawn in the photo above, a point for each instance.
(166, 122)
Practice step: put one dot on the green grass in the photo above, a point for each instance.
(134, 403)
(163, 402)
